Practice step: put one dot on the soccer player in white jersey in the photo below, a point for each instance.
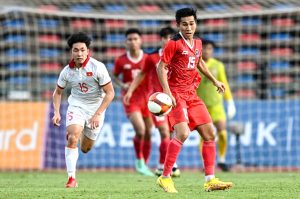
(91, 94)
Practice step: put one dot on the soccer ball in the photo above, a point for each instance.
(159, 104)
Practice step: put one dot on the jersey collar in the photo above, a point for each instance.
(72, 62)
(187, 43)
(133, 60)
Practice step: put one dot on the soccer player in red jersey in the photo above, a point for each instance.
(148, 72)
(129, 65)
(177, 73)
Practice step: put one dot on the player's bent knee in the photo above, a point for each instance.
(209, 138)
(207, 132)
(72, 140)
(140, 134)
(165, 135)
(141, 131)
(182, 136)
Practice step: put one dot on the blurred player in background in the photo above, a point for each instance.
(214, 101)
(148, 72)
(177, 73)
(129, 65)
(91, 93)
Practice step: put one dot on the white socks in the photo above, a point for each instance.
(221, 160)
(209, 177)
(175, 165)
(160, 166)
(71, 156)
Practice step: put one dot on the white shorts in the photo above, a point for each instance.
(80, 116)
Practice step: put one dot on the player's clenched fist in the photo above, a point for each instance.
(127, 97)
(220, 86)
(56, 120)
(94, 121)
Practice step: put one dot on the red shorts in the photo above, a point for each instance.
(189, 108)
(137, 104)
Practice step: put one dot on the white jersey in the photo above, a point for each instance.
(86, 83)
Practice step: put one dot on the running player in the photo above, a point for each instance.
(91, 93)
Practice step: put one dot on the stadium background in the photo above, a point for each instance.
(257, 40)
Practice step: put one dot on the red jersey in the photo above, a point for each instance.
(182, 60)
(130, 68)
(150, 70)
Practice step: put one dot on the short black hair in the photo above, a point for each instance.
(207, 42)
(164, 32)
(185, 12)
(133, 31)
(79, 37)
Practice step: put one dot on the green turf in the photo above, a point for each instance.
(130, 185)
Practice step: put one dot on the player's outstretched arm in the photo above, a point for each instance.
(134, 84)
(56, 105)
(162, 73)
(109, 96)
(203, 69)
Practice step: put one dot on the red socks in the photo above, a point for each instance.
(163, 150)
(147, 150)
(171, 156)
(209, 155)
(142, 148)
(138, 147)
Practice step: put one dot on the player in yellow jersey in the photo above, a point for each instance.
(214, 101)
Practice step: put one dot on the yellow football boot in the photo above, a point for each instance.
(215, 184)
(167, 184)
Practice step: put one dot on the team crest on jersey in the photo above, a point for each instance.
(197, 53)
(127, 66)
(185, 52)
(89, 74)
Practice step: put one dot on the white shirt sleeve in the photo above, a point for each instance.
(102, 75)
(62, 80)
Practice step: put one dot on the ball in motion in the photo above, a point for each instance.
(159, 104)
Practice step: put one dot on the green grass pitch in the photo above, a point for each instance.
(124, 185)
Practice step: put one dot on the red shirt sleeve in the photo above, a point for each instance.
(168, 52)
(117, 67)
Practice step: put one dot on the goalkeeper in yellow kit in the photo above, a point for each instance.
(214, 101)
